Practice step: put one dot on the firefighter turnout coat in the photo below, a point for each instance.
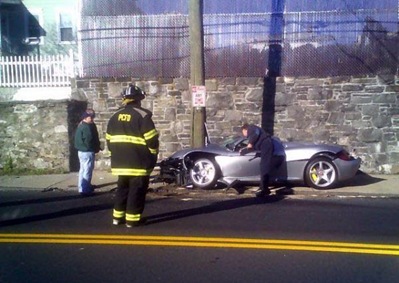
(133, 141)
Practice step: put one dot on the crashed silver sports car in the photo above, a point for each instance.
(320, 166)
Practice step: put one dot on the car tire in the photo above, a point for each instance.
(321, 173)
(204, 173)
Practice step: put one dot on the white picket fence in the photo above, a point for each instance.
(36, 71)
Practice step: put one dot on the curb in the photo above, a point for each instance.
(362, 185)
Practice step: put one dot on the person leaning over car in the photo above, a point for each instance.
(261, 141)
(88, 144)
(133, 142)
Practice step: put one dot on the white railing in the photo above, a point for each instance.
(36, 71)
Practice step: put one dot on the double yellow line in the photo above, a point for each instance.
(205, 242)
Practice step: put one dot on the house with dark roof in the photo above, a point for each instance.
(20, 29)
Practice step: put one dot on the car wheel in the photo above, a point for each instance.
(321, 174)
(204, 173)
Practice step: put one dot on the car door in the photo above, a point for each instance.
(236, 166)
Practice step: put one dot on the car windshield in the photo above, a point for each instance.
(231, 142)
(228, 140)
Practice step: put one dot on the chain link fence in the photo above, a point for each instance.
(313, 43)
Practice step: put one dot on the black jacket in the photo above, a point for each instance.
(133, 141)
(256, 136)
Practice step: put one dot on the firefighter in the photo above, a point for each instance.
(133, 142)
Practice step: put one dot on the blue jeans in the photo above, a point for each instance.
(86, 160)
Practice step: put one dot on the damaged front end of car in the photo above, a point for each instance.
(172, 170)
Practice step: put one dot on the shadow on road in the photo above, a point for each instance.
(46, 199)
(57, 214)
(212, 208)
(58, 203)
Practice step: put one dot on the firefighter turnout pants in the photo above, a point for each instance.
(130, 198)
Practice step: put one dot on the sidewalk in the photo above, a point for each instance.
(104, 180)
(361, 185)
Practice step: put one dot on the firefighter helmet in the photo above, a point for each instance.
(133, 92)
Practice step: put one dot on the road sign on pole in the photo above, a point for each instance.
(199, 95)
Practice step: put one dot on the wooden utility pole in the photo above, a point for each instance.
(197, 69)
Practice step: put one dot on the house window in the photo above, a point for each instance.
(66, 28)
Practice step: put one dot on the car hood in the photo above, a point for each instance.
(211, 148)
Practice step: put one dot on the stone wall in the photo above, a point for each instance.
(359, 113)
(37, 135)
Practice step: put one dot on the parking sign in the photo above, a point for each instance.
(199, 95)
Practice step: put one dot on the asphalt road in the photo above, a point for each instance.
(57, 236)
